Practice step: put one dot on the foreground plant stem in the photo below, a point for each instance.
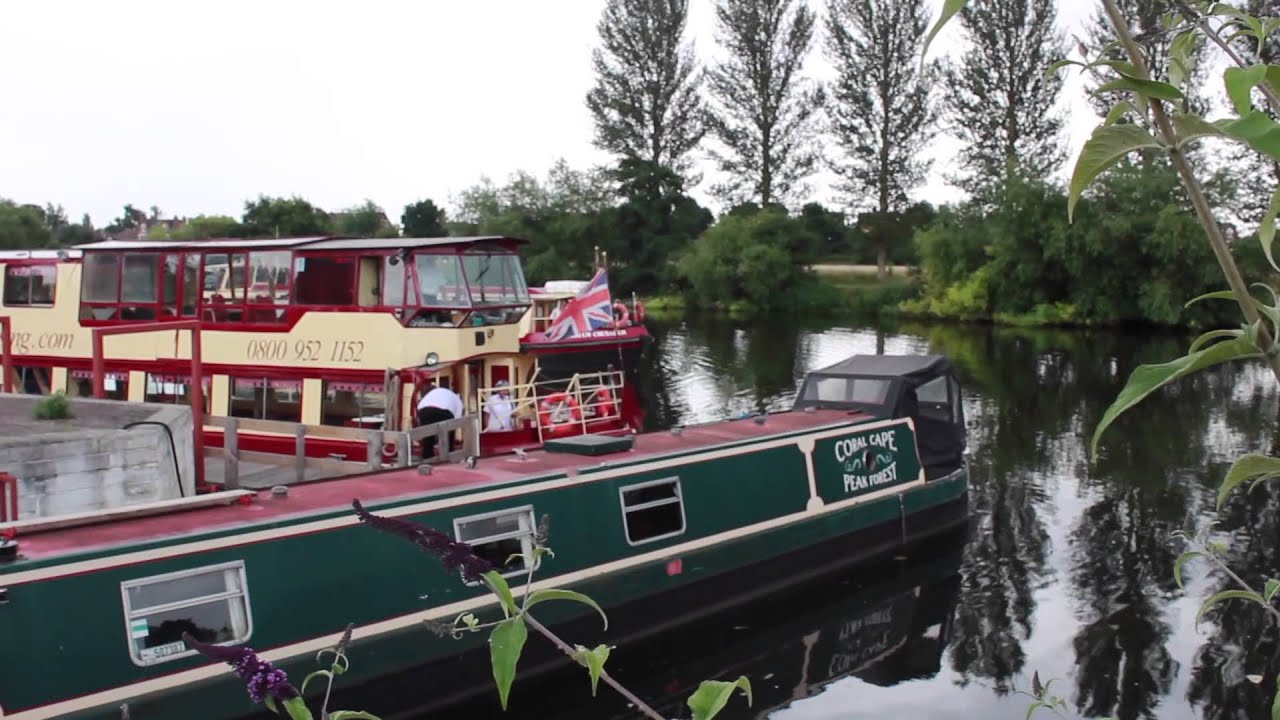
(1202, 22)
(604, 674)
(1198, 200)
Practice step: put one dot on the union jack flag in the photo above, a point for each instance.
(591, 310)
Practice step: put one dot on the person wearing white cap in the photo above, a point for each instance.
(500, 407)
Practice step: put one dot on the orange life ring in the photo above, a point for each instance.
(607, 404)
(639, 311)
(551, 413)
(622, 317)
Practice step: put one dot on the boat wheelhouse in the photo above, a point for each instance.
(325, 332)
(641, 522)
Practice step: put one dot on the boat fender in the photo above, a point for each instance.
(622, 317)
(607, 404)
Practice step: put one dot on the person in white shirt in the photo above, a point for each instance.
(437, 405)
(499, 407)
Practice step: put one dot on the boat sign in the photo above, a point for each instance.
(138, 629)
(866, 461)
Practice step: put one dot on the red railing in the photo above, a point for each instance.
(197, 380)
(8, 498)
(6, 355)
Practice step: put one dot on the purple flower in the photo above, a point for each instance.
(261, 679)
(453, 554)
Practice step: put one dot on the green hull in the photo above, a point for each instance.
(741, 504)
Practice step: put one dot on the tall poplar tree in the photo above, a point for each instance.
(880, 111)
(645, 102)
(766, 112)
(1000, 101)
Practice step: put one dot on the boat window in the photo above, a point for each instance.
(115, 385)
(357, 405)
(211, 603)
(932, 398)
(653, 511)
(440, 282)
(495, 279)
(325, 281)
(844, 390)
(101, 278)
(270, 273)
(265, 399)
(499, 535)
(393, 276)
(29, 284)
(140, 275)
(190, 284)
(172, 390)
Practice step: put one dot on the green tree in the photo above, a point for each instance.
(269, 217)
(645, 102)
(424, 220)
(205, 227)
(23, 227)
(881, 114)
(365, 220)
(748, 258)
(766, 112)
(1000, 101)
(131, 218)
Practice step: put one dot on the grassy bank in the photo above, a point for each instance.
(839, 290)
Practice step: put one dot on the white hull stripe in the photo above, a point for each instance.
(246, 538)
(126, 693)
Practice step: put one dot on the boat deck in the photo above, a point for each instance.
(333, 494)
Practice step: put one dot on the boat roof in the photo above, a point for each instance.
(39, 254)
(889, 366)
(308, 499)
(315, 242)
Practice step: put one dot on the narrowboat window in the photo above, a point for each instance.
(393, 281)
(264, 399)
(211, 603)
(932, 397)
(842, 390)
(353, 405)
(101, 281)
(139, 284)
(653, 511)
(325, 281)
(29, 284)
(440, 282)
(499, 535)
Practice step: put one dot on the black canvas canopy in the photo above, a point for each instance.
(921, 387)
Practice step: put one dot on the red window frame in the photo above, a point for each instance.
(4, 282)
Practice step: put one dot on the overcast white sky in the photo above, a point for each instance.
(197, 107)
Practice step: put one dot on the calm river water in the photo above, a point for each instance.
(1067, 570)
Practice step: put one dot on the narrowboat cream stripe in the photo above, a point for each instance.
(125, 693)
(73, 568)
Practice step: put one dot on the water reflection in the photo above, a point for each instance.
(1068, 571)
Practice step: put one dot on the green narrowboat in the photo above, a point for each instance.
(93, 609)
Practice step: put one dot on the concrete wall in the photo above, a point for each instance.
(100, 464)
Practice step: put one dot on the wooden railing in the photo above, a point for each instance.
(374, 440)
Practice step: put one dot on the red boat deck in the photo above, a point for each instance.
(328, 495)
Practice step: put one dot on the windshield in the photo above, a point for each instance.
(440, 281)
(495, 279)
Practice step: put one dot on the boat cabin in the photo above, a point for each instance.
(921, 387)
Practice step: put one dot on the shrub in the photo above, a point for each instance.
(54, 407)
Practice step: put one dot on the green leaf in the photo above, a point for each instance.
(500, 587)
(270, 702)
(557, 594)
(594, 661)
(1228, 595)
(1117, 111)
(1275, 702)
(949, 9)
(1215, 295)
(352, 715)
(1257, 130)
(505, 645)
(1267, 230)
(1108, 145)
(309, 678)
(1213, 335)
(1146, 379)
(1146, 88)
(1245, 467)
(1270, 591)
(1240, 83)
(1177, 565)
(1059, 64)
(297, 709)
(712, 695)
(1181, 59)
(1190, 127)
